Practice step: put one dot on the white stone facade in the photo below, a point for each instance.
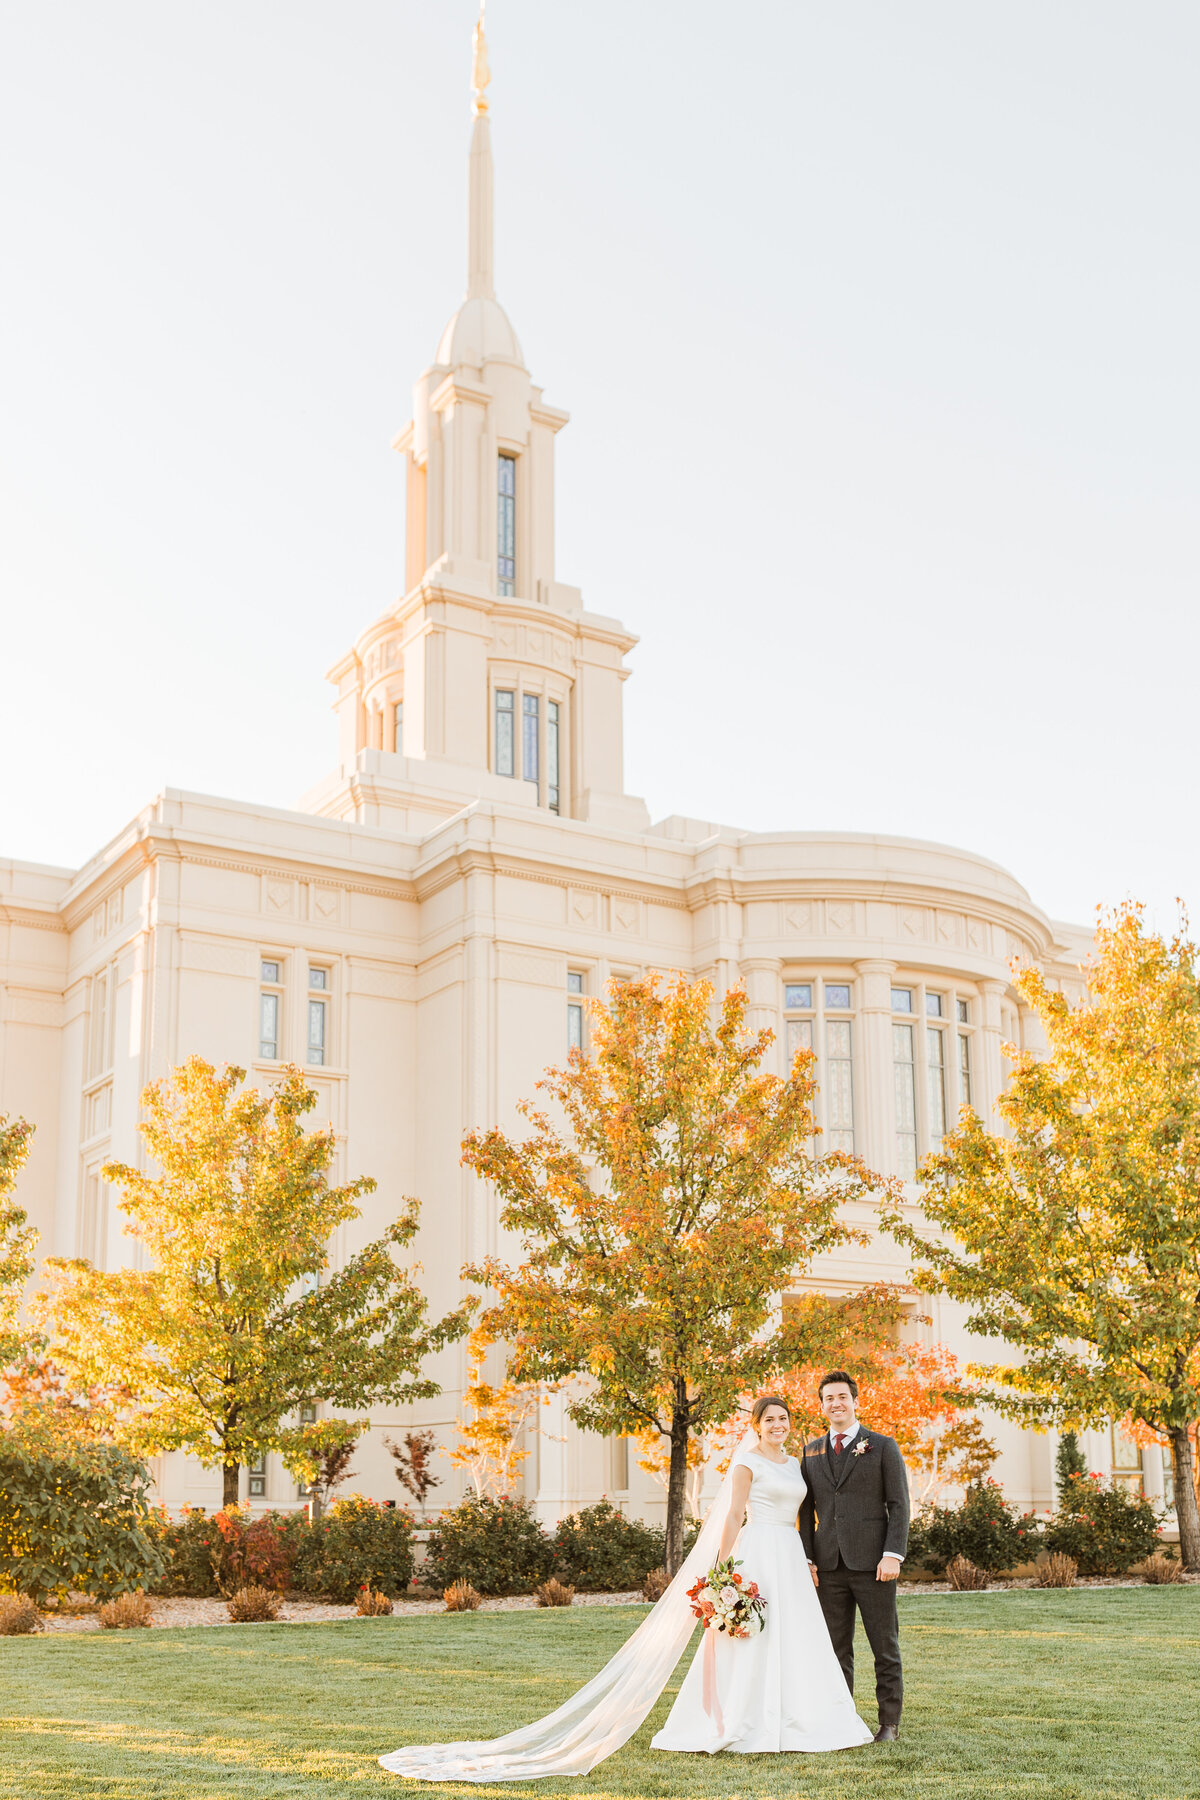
(472, 861)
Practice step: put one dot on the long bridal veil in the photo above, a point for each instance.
(601, 1716)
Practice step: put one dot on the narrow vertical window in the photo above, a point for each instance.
(552, 719)
(257, 1473)
(318, 983)
(100, 1058)
(530, 734)
(799, 1037)
(398, 728)
(839, 1082)
(505, 732)
(574, 1010)
(904, 1086)
(270, 1006)
(964, 1069)
(506, 524)
(935, 1045)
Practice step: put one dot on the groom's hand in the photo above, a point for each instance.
(812, 1569)
(889, 1568)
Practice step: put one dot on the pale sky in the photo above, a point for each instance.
(878, 328)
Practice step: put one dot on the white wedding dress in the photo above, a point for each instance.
(780, 1690)
(783, 1688)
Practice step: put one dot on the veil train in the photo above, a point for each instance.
(605, 1713)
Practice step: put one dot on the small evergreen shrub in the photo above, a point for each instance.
(1159, 1569)
(460, 1596)
(371, 1604)
(1058, 1571)
(126, 1613)
(495, 1545)
(984, 1529)
(18, 1615)
(191, 1548)
(600, 1551)
(254, 1605)
(553, 1593)
(1103, 1526)
(964, 1577)
(358, 1543)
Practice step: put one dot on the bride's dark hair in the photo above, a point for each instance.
(760, 1406)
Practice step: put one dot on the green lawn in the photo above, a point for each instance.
(1068, 1696)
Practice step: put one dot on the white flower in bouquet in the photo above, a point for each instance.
(729, 1596)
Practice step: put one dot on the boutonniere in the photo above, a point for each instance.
(863, 1448)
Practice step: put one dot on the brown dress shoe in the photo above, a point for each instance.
(887, 1734)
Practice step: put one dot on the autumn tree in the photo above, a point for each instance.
(658, 1233)
(237, 1321)
(17, 1236)
(493, 1425)
(413, 1457)
(1075, 1235)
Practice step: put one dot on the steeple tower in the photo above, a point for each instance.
(487, 680)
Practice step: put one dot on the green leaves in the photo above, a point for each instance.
(17, 1236)
(239, 1321)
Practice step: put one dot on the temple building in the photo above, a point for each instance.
(423, 930)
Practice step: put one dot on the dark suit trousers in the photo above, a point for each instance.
(840, 1591)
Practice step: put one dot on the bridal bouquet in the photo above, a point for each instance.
(723, 1601)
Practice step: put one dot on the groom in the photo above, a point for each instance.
(858, 1491)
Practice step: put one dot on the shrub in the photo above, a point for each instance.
(655, 1585)
(460, 1596)
(495, 1545)
(256, 1552)
(553, 1593)
(1104, 1527)
(190, 1547)
(984, 1529)
(126, 1612)
(1058, 1571)
(603, 1552)
(357, 1544)
(371, 1604)
(18, 1615)
(253, 1605)
(964, 1576)
(73, 1513)
(1159, 1569)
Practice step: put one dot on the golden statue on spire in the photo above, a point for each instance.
(480, 72)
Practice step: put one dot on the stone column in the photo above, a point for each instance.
(763, 978)
(874, 1126)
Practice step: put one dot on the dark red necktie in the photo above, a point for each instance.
(838, 1441)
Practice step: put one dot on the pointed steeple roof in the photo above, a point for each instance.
(480, 330)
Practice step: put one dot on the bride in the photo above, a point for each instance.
(779, 1690)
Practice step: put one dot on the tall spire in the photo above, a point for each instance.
(480, 284)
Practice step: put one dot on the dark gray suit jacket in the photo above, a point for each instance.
(861, 1514)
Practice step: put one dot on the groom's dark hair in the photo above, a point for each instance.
(836, 1375)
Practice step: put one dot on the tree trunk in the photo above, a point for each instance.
(231, 1471)
(1186, 1511)
(677, 1485)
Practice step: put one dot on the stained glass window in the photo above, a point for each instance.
(318, 978)
(797, 994)
(902, 1000)
(268, 1026)
(270, 971)
(933, 1006)
(837, 996)
(505, 727)
(552, 755)
(316, 1031)
(964, 1069)
(257, 1473)
(935, 1047)
(574, 1010)
(839, 1085)
(529, 736)
(964, 1012)
(799, 1037)
(506, 524)
(904, 1086)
